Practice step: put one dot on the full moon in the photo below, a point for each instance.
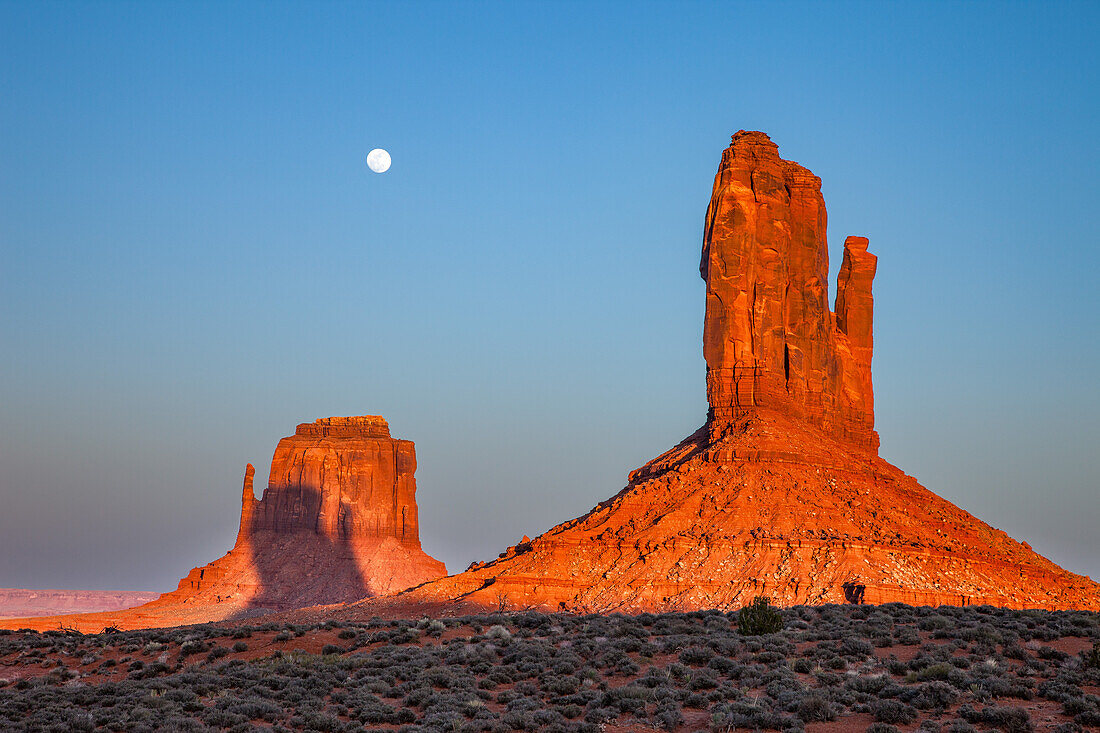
(378, 160)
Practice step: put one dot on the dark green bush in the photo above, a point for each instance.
(760, 617)
(1091, 658)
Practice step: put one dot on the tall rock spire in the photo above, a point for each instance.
(248, 503)
(769, 338)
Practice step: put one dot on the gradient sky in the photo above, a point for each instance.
(195, 257)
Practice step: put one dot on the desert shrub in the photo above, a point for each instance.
(240, 646)
(498, 633)
(572, 711)
(868, 684)
(1068, 728)
(1008, 719)
(939, 671)
(933, 623)
(882, 728)
(856, 648)
(696, 655)
(597, 715)
(669, 718)
(959, 726)
(932, 696)
(1051, 654)
(702, 681)
(1089, 717)
(759, 618)
(893, 711)
(906, 636)
(897, 667)
(1091, 659)
(815, 708)
(217, 652)
(1075, 706)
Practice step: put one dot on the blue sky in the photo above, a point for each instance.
(195, 257)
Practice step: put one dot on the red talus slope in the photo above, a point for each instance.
(338, 522)
(782, 492)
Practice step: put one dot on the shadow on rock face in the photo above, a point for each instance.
(337, 523)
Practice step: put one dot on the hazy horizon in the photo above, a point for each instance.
(196, 257)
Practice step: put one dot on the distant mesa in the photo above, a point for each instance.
(782, 492)
(338, 522)
(17, 602)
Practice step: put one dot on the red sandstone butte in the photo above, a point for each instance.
(337, 523)
(782, 492)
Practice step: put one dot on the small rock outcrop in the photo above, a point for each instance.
(781, 492)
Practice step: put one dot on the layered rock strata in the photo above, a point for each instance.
(781, 492)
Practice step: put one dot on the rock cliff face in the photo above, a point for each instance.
(342, 478)
(769, 338)
(337, 523)
(781, 492)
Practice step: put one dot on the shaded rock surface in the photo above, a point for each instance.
(781, 492)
